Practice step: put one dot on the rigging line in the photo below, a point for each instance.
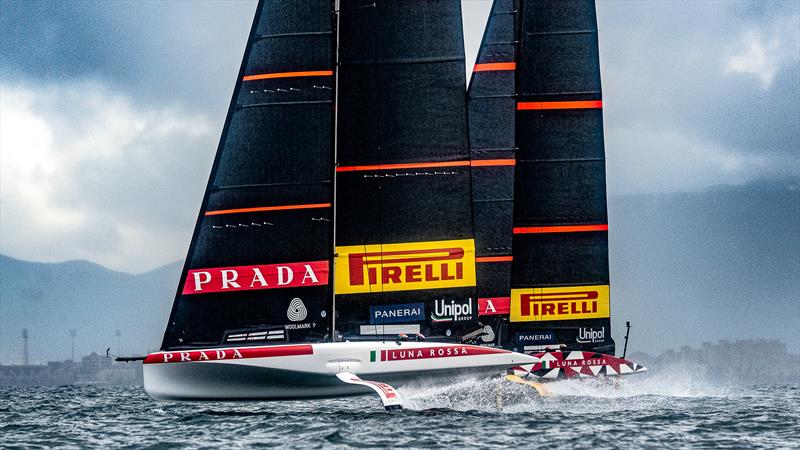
(560, 229)
(267, 208)
(307, 73)
(581, 104)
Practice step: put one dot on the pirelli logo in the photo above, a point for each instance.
(559, 303)
(405, 267)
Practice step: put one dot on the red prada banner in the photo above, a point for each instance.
(247, 278)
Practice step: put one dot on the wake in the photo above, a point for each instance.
(655, 388)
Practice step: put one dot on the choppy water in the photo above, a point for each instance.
(641, 411)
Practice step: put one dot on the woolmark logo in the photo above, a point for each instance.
(591, 336)
(559, 303)
(297, 310)
(405, 266)
(246, 278)
(452, 311)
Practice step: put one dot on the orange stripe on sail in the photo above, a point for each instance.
(486, 259)
(402, 166)
(560, 229)
(266, 76)
(488, 67)
(425, 165)
(267, 208)
(588, 104)
(492, 162)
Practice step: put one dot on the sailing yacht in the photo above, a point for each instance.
(368, 224)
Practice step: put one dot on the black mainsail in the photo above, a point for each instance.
(257, 267)
(560, 281)
(404, 233)
(491, 109)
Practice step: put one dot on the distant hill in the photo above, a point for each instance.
(51, 299)
(685, 268)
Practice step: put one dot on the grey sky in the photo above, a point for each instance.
(110, 111)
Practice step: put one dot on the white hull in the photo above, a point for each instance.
(309, 371)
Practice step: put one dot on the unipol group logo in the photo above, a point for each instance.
(559, 303)
(405, 267)
(247, 278)
(452, 310)
(591, 336)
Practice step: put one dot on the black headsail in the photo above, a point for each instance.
(560, 282)
(405, 250)
(491, 109)
(257, 268)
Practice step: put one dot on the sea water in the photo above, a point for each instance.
(638, 411)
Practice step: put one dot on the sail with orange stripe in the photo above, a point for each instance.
(491, 103)
(261, 251)
(560, 278)
(404, 232)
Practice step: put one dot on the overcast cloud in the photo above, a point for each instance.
(110, 111)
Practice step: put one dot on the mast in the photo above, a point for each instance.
(560, 279)
(335, 164)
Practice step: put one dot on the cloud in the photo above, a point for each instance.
(86, 174)
(666, 87)
(757, 58)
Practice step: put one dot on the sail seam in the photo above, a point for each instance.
(259, 105)
(403, 61)
(258, 185)
(553, 33)
(280, 35)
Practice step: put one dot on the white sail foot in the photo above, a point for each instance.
(389, 396)
(540, 388)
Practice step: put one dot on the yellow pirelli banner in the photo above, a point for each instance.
(404, 267)
(559, 303)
